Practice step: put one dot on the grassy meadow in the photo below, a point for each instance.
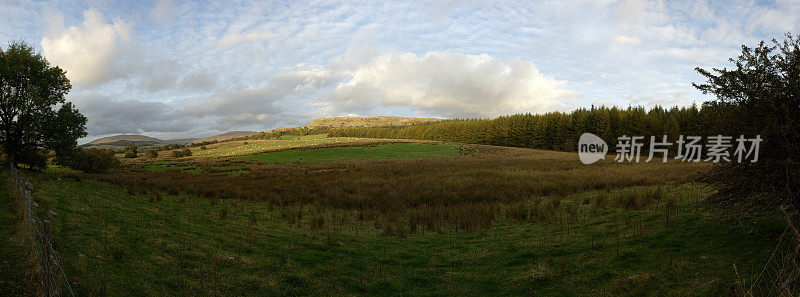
(346, 153)
(247, 147)
(397, 219)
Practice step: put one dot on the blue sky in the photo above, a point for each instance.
(173, 69)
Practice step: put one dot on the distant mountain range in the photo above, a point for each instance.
(120, 141)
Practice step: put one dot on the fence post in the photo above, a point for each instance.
(39, 231)
(781, 274)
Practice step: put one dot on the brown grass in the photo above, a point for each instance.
(461, 192)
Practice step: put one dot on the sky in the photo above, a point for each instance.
(172, 69)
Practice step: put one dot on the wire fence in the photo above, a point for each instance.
(54, 280)
(780, 276)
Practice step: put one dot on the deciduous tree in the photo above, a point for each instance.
(33, 111)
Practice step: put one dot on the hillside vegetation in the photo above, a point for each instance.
(255, 146)
(376, 121)
(225, 136)
(495, 221)
(142, 141)
(555, 130)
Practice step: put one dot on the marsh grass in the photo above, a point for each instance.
(559, 247)
(462, 193)
(495, 221)
(637, 200)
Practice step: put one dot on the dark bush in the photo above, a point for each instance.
(169, 147)
(186, 152)
(131, 151)
(89, 160)
(177, 153)
(152, 154)
(130, 154)
(36, 159)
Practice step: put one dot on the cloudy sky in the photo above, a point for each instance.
(173, 69)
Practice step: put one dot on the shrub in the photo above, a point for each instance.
(89, 160)
(36, 159)
(131, 151)
(169, 147)
(152, 154)
(181, 153)
(177, 153)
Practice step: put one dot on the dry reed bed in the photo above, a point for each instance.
(466, 192)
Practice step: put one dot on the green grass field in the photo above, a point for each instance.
(394, 219)
(187, 245)
(346, 153)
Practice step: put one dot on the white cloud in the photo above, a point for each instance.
(782, 16)
(265, 64)
(626, 40)
(164, 11)
(233, 39)
(451, 84)
(95, 53)
(87, 51)
(107, 115)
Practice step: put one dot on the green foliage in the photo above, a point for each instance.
(131, 151)
(179, 153)
(89, 160)
(35, 158)
(169, 147)
(760, 96)
(30, 88)
(132, 147)
(278, 134)
(552, 131)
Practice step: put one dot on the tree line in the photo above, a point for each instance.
(555, 130)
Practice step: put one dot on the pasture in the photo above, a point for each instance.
(247, 147)
(485, 221)
(363, 152)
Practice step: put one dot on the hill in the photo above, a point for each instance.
(226, 136)
(376, 121)
(120, 141)
(181, 141)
